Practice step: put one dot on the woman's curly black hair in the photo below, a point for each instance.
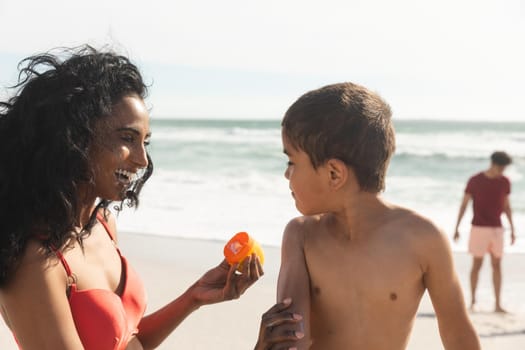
(46, 129)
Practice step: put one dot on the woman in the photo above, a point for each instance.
(72, 140)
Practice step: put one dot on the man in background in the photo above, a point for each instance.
(489, 191)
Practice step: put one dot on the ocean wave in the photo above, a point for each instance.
(439, 156)
(227, 136)
(473, 154)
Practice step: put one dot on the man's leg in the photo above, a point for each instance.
(496, 280)
(474, 275)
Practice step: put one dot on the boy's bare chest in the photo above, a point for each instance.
(354, 294)
(368, 274)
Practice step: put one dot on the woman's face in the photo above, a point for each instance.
(119, 148)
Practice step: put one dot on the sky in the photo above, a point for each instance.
(447, 59)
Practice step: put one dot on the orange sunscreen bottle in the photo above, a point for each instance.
(240, 246)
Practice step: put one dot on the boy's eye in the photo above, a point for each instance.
(147, 142)
(289, 163)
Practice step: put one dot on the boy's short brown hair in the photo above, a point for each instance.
(500, 158)
(347, 122)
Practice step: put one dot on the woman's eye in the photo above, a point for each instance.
(128, 138)
(289, 163)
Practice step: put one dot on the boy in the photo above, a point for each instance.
(354, 265)
(489, 191)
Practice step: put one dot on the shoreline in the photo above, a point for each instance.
(169, 265)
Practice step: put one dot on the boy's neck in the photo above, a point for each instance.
(361, 214)
(493, 172)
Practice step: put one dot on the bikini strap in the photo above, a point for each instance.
(104, 223)
(63, 261)
(70, 275)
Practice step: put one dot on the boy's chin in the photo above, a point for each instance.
(306, 212)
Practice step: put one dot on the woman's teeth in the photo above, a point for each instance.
(126, 175)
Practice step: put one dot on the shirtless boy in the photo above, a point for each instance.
(354, 265)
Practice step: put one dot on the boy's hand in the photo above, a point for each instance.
(278, 330)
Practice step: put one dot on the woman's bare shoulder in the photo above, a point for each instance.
(37, 295)
(37, 267)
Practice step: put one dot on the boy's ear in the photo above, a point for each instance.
(338, 172)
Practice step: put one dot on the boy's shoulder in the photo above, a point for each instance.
(407, 215)
(403, 224)
(412, 221)
(304, 222)
(416, 231)
(309, 224)
(396, 216)
(304, 228)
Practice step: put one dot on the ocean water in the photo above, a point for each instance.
(214, 178)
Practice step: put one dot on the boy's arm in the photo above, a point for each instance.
(455, 328)
(294, 281)
(508, 212)
(463, 206)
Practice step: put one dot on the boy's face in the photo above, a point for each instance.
(308, 185)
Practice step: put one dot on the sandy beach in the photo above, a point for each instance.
(169, 265)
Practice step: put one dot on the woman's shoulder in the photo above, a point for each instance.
(36, 268)
(38, 287)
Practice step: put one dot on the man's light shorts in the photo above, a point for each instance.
(486, 239)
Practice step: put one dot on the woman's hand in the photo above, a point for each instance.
(226, 282)
(279, 328)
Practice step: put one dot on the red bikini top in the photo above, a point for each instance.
(105, 320)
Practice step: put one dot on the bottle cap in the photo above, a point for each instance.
(240, 246)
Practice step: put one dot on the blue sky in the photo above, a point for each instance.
(443, 59)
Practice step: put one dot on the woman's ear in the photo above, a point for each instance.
(338, 172)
